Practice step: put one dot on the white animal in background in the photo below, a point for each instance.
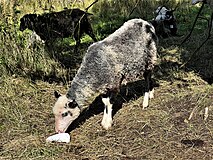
(165, 22)
(163, 13)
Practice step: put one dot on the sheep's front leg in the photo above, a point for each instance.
(149, 89)
(107, 117)
(77, 37)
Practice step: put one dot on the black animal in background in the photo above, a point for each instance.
(66, 23)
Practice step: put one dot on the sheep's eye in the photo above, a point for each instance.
(64, 114)
(69, 113)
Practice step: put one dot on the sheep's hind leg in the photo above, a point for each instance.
(107, 117)
(149, 89)
(89, 31)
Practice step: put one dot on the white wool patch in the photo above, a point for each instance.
(160, 17)
(151, 93)
(161, 10)
(106, 101)
(107, 117)
(146, 100)
(161, 13)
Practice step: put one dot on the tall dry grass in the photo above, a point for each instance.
(22, 57)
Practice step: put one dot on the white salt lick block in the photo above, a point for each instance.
(60, 137)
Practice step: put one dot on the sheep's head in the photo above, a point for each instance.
(163, 13)
(161, 10)
(28, 21)
(65, 111)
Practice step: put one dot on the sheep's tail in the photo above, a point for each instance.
(86, 9)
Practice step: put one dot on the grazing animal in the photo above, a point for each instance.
(128, 54)
(66, 23)
(165, 22)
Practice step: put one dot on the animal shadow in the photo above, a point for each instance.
(131, 91)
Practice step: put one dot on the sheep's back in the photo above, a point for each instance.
(59, 24)
(128, 52)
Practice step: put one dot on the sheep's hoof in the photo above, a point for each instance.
(145, 103)
(151, 96)
(145, 106)
(107, 123)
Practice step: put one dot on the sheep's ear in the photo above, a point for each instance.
(57, 95)
(73, 104)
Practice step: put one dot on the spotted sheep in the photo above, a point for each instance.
(129, 54)
(165, 22)
(66, 23)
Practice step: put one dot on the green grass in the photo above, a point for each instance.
(29, 77)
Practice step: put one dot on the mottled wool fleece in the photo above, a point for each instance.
(125, 54)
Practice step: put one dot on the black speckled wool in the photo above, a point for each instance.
(125, 54)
